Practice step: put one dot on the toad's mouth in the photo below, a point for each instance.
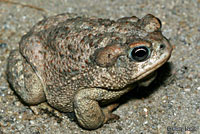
(149, 76)
(150, 72)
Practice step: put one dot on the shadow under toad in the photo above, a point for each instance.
(164, 77)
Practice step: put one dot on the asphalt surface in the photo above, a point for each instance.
(170, 105)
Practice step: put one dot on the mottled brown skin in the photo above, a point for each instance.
(77, 64)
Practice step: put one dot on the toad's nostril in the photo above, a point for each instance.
(162, 46)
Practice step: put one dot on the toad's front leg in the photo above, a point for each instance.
(88, 112)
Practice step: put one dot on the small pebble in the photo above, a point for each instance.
(20, 117)
(145, 110)
(187, 132)
(3, 45)
(187, 89)
(146, 122)
(198, 111)
(32, 122)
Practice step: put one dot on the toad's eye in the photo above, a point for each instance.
(139, 53)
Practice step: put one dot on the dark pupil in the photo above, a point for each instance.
(139, 53)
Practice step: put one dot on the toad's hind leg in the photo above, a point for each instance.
(24, 80)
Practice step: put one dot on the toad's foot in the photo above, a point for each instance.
(109, 116)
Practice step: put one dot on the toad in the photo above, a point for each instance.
(79, 64)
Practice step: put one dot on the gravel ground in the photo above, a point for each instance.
(170, 105)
